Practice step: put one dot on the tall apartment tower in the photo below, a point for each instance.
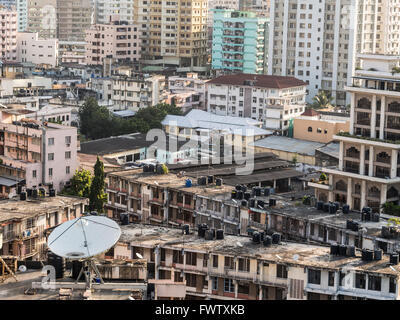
(240, 42)
(8, 30)
(317, 40)
(368, 174)
(22, 8)
(41, 18)
(106, 9)
(261, 7)
(174, 34)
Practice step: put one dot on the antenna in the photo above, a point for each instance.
(82, 239)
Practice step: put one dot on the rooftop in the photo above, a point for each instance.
(288, 145)
(14, 209)
(260, 81)
(285, 253)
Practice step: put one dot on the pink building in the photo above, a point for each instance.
(8, 34)
(33, 153)
(116, 39)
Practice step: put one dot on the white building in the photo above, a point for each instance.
(104, 9)
(103, 89)
(8, 29)
(317, 40)
(271, 99)
(38, 51)
(28, 86)
(22, 9)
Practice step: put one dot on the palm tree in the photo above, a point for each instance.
(322, 100)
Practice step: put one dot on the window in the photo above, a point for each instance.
(215, 261)
(68, 155)
(190, 280)
(205, 260)
(314, 276)
(34, 174)
(50, 172)
(374, 283)
(214, 283)
(50, 156)
(309, 129)
(191, 258)
(51, 142)
(177, 257)
(360, 281)
(281, 271)
(244, 264)
(67, 170)
(228, 285)
(229, 263)
(331, 278)
(392, 285)
(243, 288)
(162, 255)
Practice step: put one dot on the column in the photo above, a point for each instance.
(363, 193)
(349, 191)
(382, 122)
(274, 184)
(373, 117)
(362, 159)
(383, 193)
(371, 161)
(341, 154)
(393, 167)
(330, 194)
(352, 112)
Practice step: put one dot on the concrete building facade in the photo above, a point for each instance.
(8, 29)
(38, 51)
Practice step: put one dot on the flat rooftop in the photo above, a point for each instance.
(286, 252)
(15, 209)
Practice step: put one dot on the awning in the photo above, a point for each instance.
(9, 182)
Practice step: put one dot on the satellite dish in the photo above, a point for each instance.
(84, 237)
(139, 255)
(22, 268)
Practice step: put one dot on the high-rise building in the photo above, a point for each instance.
(41, 18)
(105, 9)
(317, 40)
(117, 39)
(22, 8)
(368, 174)
(220, 4)
(174, 34)
(261, 7)
(8, 29)
(240, 42)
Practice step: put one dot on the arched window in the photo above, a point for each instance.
(341, 185)
(394, 107)
(357, 188)
(364, 103)
(374, 192)
(353, 152)
(392, 193)
(309, 129)
(383, 157)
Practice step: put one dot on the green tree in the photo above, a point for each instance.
(97, 196)
(80, 183)
(322, 100)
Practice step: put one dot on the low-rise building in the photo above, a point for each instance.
(38, 51)
(72, 51)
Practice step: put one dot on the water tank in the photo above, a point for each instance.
(151, 168)
(266, 192)
(252, 203)
(256, 237)
(351, 251)
(233, 194)
(210, 179)
(238, 187)
(257, 191)
(367, 255)
(247, 195)
(218, 182)
(342, 250)
(243, 188)
(272, 202)
(332, 208)
(355, 226)
(19, 189)
(337, 205)
(244, 203)
(276, 238)
(34, 193)
(320, 205)
(76, 269)
(220, 234)
(326, 207)
(239, 195)
(186, 229)
(146, 168)
(334, 249)
(260, 204)
(346, 209)
(188, 183)
(267, 241)
(201, 231)
(378, 254)
(29, 192)
(375, 217)
(58, 263)
(124, 219)
(22, 196)
(159, 169)
(209, 235)
(306, 200)
(349, 224)
(394, 258)
(52, 193)
(262, 236)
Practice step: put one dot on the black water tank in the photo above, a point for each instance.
(209, 235)
(394, 258)
(186, 229)
(326, 207)
(124, 219)
(238, 187)
(375, 217)
(332, 208)
(244, 203)
(276, 238)
(146, 168)
(337, 205)
(234, 194)
(266, 192)
(342, 250)
(334, 249)
(218, 182)
(272, 202)
(367, 255)
(355, 226)
(256, 237)
(210, 179)
(378, 254)
(201, 231)
(152, 168)
(34, 193)
(267, 241)
(159, 169)
(349, 224)
(244, 188)
(76, 269)
(19, 189)
(29, 192)
(239, 195)
(351, 251)
(247, 195)
(57, 262)
(346, 209)
(213, 232)
(262, 236)
(220, 234)
(320, 205)
(257, 191)
(52, 193)
(22, 196)
(252, 203)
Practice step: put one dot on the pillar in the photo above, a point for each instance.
(371, 161)
(349, 191)
(363, 194)
(362, 160)
(382, 122)
(373, 117)
(393, 167)
(352, 112)
(330, 194)
(383, 193)
(341, 155)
